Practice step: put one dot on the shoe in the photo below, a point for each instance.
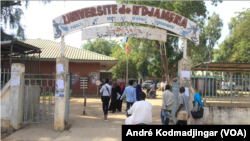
(106, 119)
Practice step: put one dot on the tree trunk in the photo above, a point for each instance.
(163, 62)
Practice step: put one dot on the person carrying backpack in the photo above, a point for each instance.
(106, 93)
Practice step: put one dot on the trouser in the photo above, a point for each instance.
(181, 122)
(164, 120)
(129, 104)
(149, 93)
(105, 104)
(119, 105)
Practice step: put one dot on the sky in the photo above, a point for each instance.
(38, 17)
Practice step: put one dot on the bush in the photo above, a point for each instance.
(70, 93)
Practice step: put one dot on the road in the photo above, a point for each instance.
(88, 127)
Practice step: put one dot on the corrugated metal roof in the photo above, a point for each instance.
(223, 66)
(52, 50)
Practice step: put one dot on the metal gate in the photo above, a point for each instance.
(38, 98)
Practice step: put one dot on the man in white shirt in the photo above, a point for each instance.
(141, 112)
(152, 88)
(106, 93)
(162, 86)
(167, 105)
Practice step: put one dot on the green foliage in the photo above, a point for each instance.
(70, 92)
(11, 15)
(236, 46)
(209, 35)
(119, 70)
(193, 10)
(101, 46)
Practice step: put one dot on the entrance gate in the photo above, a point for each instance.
(38, 98)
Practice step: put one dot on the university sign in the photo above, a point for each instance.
(119, 13)
(124, 31)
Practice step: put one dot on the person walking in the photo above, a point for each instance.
(152, 88)
(114, 95)
(184, 104)
(141, 112)
(138, 91)
(119, 103)
(131, 95)
(197, 103)
(162, 86)
(106, 93)
(167, 105)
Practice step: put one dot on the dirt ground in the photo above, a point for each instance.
(88, 127)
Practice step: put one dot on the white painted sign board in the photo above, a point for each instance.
(124, 31)
(122, 13)
(98, 82)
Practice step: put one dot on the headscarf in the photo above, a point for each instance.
(121, 85)
(197, 98)
(138, 91)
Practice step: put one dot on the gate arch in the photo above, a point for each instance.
(119, 13)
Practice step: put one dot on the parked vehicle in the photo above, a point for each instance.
(238, 87)
(152, 93)
(146, 84)
(158, 85)
(225, 87)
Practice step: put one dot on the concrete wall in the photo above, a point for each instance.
(5, 101)
(226, 115)
(223, 113)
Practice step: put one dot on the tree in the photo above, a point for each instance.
(193, 10)
(209, 35)
(11, 15)
(101, 46)
(119, 70)
(236, 46)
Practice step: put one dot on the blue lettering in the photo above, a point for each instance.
(110, 18)
(139, 18)
(163, 24)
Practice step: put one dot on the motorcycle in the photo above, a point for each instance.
(152, 93)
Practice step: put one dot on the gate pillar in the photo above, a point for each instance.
(184, 74)
(62, 65)
(16, 95)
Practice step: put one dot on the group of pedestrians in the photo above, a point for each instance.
(139, 111)
(167, 106)
(115, 93)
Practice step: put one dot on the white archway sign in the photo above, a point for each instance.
(124, 31)
(118, 13)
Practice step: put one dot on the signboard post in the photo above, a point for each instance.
(83, 85)
(98, 82)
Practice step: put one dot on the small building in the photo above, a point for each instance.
(82, 63)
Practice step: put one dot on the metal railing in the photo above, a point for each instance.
(38, 98)
(222, 88)
(5, 77)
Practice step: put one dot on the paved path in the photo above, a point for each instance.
(90, 127)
